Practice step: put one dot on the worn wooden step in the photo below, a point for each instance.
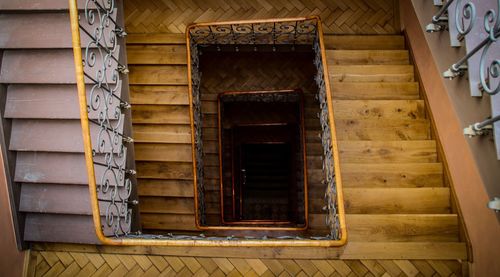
(375, 90)
(162, 133)
(357, 42)
(163, 152)
(346, 57)
(377, 129)
(169, 188)
(371, 73)
(398, 175)
(165, 170)
(155, 38)
(157, 95)
(166, 205)
(397, 200)
(379, 109)
(418, 151)
(184, 222)
(156, 54)
(160, 114)
(396, 227)
(158, 75)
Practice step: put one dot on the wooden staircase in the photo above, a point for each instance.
(395, 194)
(393, 180)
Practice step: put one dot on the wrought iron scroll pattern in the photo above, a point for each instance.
(266, 33)
(332, 218)
(104, 72)
(198, 122)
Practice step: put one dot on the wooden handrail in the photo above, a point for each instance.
(77, 51)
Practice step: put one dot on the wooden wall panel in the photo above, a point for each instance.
(339, 16)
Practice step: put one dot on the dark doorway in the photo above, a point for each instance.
(262, 157)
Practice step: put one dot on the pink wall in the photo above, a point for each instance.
(451, 106)
(11, 260)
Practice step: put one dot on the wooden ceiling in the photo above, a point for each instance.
(339, 16)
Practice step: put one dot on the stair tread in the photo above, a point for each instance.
(396, 227)
(364, 57)
(397, 175)
(364, 42)
(383, 109)
(377, 129)
(388, 151)
(375, 90)
(371, 73)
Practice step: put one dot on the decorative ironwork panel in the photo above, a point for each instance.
(265, 33)
(332, 218)
(104, 72)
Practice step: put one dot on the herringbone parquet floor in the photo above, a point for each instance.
(339, 16)
(49, 263)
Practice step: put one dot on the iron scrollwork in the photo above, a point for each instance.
(104, 73)
(332, 218)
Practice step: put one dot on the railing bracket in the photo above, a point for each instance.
(495, 204)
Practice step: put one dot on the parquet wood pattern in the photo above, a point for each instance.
(339, 16)
(60, 263)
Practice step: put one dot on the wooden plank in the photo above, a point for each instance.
(158, 75)
(160, 114)
(172, 188)
(162, 133)
(360, 42)
(379, 109)
(52, 135)
(371, 73)
(156, 54)
(388, 151)
(367, 57)
(155, 38)
(182, 222)
(166, 205)
(165, 170)
(47, 167)
(168, 95)
(375, 129)
(397, 200)
(163, 152)
(404, 228)
(48, 102)
(60, 228)
(353, 250)
(375, 90)
(392, 175)
(43, 66)
(58, 199)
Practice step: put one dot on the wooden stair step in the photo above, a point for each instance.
(358, 42)
(155, 38)
(160, 114)
(166, 205)
(168, 188)
(159, 95)
(162, 133)
(381, 109)
(163, 152)
(423, 151)
(158, 75)
(367, 57)
(396, 227)
(371, 73)
(376, 129)
(392, 175)
(183, 222)
(397, 200)
(156, 54)
(375, 90)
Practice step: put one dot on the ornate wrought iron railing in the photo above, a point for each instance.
(476, 25)
(101, 73)
(261, 34)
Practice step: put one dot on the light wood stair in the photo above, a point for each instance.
(393, 179)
